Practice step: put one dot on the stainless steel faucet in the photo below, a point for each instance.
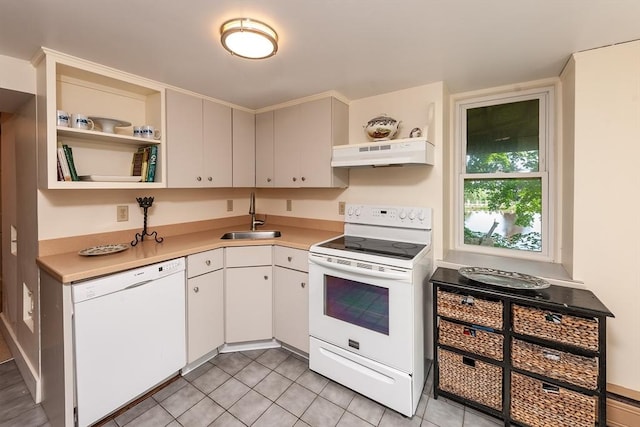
(252, 212)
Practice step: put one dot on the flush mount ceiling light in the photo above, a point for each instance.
(249, 38)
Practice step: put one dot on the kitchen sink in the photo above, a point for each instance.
(238, 235)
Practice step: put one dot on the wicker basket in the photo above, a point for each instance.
(470, 309)
(578, 331)
(473, 340)
(571, 368)
(471, 379)
(540, 404)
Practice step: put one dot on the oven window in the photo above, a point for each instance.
(357, 303)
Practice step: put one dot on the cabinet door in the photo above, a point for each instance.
(264, 150)
(184, 140)
(216, 148)
(205, 318)
(314, 122)
(287, 140)
(244, 149)
(248, 303)
(291, 307)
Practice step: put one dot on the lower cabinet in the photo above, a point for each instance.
(205, 297)
(533, 358)
(291, 298)
(248, 294)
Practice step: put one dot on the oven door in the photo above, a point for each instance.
(357, 307)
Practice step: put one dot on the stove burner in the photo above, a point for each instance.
(404, 245)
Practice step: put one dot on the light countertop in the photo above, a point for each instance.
(70, 267)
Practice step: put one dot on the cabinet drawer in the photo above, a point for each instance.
(471, 379)
(540, 404)
(248, 256)
(563, 328)
(473, 340)
(204, 262)
(296, 259)
(470, 309)
(571, 368)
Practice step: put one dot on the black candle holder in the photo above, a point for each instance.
(145, 203)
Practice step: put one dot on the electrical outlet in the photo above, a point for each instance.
(341, 208)
(122, 213)
(288, 205)
(230, 205)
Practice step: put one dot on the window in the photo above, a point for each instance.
(503, 174)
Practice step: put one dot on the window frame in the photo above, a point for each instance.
(546, 97)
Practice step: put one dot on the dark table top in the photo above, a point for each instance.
(560, 297)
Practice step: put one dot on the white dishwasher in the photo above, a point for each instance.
(129, 336)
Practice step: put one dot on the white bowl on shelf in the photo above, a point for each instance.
(108, 125)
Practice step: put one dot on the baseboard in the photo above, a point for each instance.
(622, 414)
(30, 376)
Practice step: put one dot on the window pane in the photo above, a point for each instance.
(503, 138)
(503, 213)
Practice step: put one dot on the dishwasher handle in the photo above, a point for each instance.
(135, 285)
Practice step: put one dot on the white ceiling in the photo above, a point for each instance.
(356, 47)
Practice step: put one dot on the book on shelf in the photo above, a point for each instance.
(136, 164)
(144, 163)
(153, 159)
(64, 165)
(72, 167)
(59, 167)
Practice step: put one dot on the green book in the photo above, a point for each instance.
(72, 167)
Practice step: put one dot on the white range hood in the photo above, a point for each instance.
(399, 152)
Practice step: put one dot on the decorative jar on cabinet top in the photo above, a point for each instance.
(381, 128)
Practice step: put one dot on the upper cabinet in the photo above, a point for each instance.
(115, 102)
(304, 135)
(264, 150)
(244, 149)
(198, 142)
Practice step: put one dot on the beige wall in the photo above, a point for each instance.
(17, 75)
(606, 233)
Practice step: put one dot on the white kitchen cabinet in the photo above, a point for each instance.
(264, 150)
(199, 142)
(248, 294)
(291, 297)
(205, 303)
(303, 137)
(77, 86)
(244, 149)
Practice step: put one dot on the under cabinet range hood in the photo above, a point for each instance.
(399, 152)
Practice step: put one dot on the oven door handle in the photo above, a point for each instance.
(363, 271)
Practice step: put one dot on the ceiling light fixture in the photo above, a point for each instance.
(249, 38)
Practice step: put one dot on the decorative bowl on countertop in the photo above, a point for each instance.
(382, 127)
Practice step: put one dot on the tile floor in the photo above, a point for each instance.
(253, 388)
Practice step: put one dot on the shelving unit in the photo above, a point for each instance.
(532, 358)
(78, 86)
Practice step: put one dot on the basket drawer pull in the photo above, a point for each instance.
(551, 355)
(470, 332)
(553, 317)
(548, 388)
(468, 361)
(467, 300)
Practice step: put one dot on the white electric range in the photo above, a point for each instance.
(367, 304)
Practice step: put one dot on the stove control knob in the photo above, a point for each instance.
(412, 215)
(403, 214)
(358, 211)
(350, 211)
(421, 216)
